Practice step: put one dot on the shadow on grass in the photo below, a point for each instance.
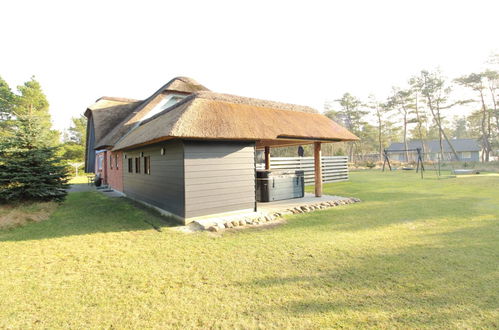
(90, 212)
(452, 280)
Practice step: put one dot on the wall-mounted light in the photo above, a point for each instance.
(163, 151)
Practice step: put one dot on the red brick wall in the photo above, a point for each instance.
(114, 175)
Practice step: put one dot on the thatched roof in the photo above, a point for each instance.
(183, 85)
(118, 121)
(108, 112)
(208, 115)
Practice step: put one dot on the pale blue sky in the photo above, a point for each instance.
(302, 52)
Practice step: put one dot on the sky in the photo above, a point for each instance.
(302, 52)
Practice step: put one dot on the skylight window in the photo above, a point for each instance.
(165, 103)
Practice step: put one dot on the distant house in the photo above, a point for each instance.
(467, 150)
(191, 152)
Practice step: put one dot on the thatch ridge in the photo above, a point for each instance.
(117, 99)
(236, 99)
(184, 85)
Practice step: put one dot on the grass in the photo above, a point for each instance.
(79, 179)
(22, 213)
(414, 253)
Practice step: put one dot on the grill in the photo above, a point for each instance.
(279, 185)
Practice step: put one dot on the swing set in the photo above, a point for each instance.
(419, 167)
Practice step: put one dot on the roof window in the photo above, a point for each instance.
(165, 103)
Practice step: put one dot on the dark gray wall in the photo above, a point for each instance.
(89, 148)
(475, 157)
(219, 177)
(400, 156)
(164, 187)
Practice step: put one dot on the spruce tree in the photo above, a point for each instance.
(29, 168)
(7, 103)
(33, 102)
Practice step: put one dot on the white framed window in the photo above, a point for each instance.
(165, 103)
(466, 154)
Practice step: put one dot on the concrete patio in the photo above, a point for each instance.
(268, 212)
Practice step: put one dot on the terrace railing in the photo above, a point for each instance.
(334, 168)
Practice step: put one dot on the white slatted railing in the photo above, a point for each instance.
(334, 168)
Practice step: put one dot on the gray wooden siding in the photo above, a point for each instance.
(89, 148)
(164, 187)
(219, 177)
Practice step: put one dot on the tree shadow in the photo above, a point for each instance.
(452, 280)
(90, 212)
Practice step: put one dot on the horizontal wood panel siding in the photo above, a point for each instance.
(164, 187)
(219, 177)
(334, 168)
(89, 148)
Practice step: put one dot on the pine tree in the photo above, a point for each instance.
(7, 102)
(29, 168)
(32, 101)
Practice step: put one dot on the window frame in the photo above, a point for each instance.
(137, 165)
(466, 154)
(130, 165)
(147, 165)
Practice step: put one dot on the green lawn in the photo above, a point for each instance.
(414, 253)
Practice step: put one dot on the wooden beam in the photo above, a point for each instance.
(267, 158)
(318, 169)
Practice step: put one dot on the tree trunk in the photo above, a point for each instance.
(440, 128)
(380, 139)
(485, 129)
(420, 124)
(496, 112)
(405, 136)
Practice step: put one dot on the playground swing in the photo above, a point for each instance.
(419, 167)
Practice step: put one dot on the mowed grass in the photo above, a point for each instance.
(80, 179)
(414, 253)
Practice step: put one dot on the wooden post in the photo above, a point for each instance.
(267, 158)
(318, 169)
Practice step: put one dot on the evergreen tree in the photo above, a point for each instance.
(29, 169)
(33, 102)
(476, 82)
(385, 129)
(435, 91)
(73, 148)
(352, 116)
(7, 102)
(402, 101)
